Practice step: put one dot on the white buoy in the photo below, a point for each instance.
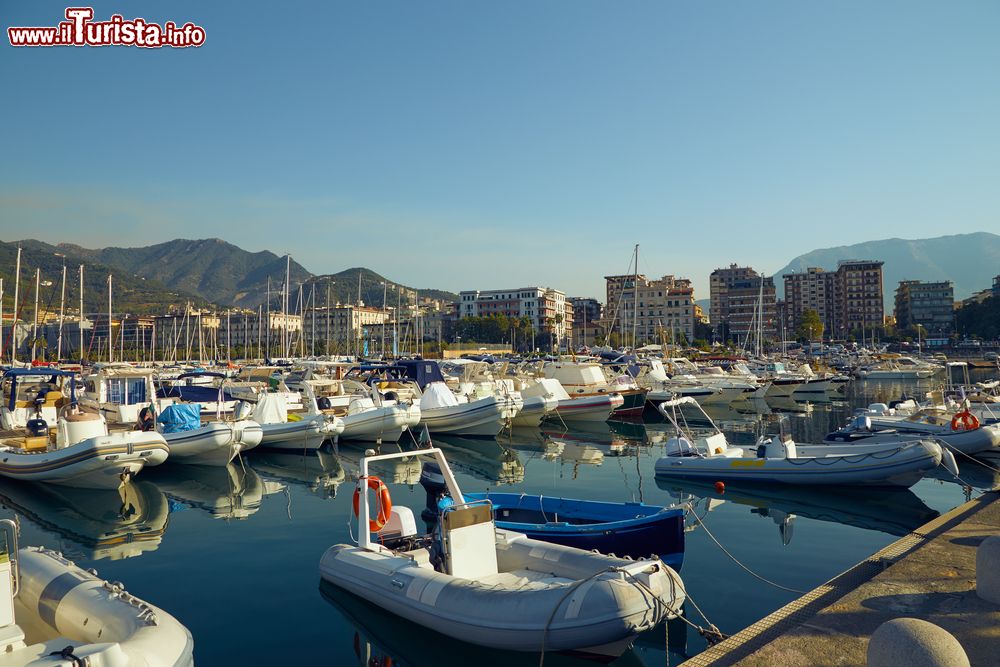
(914, 643)
(988, 569)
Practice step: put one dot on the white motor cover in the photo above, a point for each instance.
(360, 404)
(400, 524)
(437, 395)
(878, 408)
(271, 409)
(80, 427)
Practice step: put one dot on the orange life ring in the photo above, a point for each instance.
(384, 503)
(964, 421)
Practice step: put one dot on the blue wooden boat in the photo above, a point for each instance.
(625, 529)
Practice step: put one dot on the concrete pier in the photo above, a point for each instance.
(929, 574)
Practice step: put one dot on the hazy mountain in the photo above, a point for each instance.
(207, 270)
(132, 293)
(211, 268)
(970, 261)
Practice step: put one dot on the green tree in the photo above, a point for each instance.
(810, 326)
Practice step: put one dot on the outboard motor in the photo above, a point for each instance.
(37, 427)
(433, 482)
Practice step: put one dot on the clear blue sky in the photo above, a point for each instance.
(492, 144)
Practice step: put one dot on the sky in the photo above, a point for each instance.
(480, 145)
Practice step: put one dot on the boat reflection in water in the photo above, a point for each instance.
(483, 459)
(228, 492)
(93, 524)
(318, 470)
(381, 639)
(893, 511)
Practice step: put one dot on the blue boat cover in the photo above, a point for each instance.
(182, 417)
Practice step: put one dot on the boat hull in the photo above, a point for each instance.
(110, 626)
(306, 434)
(596, 408)
(482, 418)
(534, 410)
(217, 443)
(381, 424)
(100, 462)
(611, 611)
(625, 529)
(878, 465)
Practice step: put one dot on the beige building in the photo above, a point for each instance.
(657, 310)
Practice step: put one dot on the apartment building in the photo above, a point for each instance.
(588, 316)
(547, 308)
(656, 310)
(930, 305)
(741, 301)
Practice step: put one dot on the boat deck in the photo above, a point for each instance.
(929, 574)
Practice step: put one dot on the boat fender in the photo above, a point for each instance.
(384, 502)
(948, 461)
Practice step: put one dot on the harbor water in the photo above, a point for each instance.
(233, 552)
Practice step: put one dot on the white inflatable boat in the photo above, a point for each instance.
(497, 588)
(215, 443)
(441, 412)
(369, 422)
(82, 453)
(54, 613)
(779, 460)
(300, 431)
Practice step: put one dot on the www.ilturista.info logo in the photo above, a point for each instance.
(80, 30)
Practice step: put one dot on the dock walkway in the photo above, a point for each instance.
(929, 574)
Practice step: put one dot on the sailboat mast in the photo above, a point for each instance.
(635, 295)
(267, 349)
(62, 314)
(34, 320)
(81, 313)
(286, 341)
(13, 321)
(111, 342)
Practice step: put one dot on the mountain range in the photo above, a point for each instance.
(201, 271)
(970, 261)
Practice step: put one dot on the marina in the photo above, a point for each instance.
(284, 507)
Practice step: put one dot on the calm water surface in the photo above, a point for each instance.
(234, 554)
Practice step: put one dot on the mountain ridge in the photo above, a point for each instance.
(968, 260)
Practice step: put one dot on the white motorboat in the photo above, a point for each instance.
(215, 443)
(493, 587)
(899, 368)
(371, 422)
(877, 424)
(588, 380)
(282, 429)
(441, 412)
(82, 452)
(593, 408)
(780, 460)
(54, 613)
